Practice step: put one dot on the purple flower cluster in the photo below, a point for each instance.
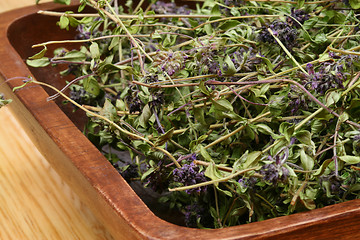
(169, 61)
(300, 15)
(80, 96)
(207, 62)
(189, 175)
(161, 7)
(83, 33)
(274, 173)
(297, 101)
(230, 3)
(329, 75)
(248, 182)
(158, 179)
(192, 213)
(246, 59)
(334, 181)
(133, 101)
(282, 30)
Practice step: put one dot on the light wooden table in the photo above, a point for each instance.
(34, 202)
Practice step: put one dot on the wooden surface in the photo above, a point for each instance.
(34, 202)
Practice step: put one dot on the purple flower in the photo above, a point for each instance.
(300, 15)
(189, 175)
(274, 173)
(286, 34)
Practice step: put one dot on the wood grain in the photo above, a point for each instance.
(35, 203)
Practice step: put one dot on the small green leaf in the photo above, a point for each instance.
(300, 3)
(306, 161)
(252, 158)
(39, 55)
(355, 4)
(350, 159)
(67, 2)
(322, 168)
(91, 86)
(229, 24)
(94, 50)
(320, 38)
(230, 67)
(343, 117)
(265, 129)
(73, 56)
(164, 138)
(64, 22)
(41, 62)
(205, 154)
(108, 110)
(213, 172)
(332, 97)
(267, 62)
(222, 105)
(287, 129)
(145, 116)
(304, 137)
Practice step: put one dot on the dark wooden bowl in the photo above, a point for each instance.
(94, 179)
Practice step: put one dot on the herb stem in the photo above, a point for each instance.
(224, 179)
(220, 139)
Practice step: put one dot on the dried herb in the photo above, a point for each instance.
(247, 108)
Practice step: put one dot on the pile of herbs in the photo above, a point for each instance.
(248, 108)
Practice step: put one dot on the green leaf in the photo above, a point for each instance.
(265, 129)
(108, 111)
(252, 158)
(320, 38)
(91, 86)
(343, 117)
(64, 22)
(306, 161)
(287, 129)
(304, 137)
(67, 2)
(73, 56)
(165, 137)
(41, 62)
(332, 97)
(300, 3)
(229, 24)
(94, 50)
(350, 159)
(222, 105)
(194, 143)
(4, 101)
(267, 62)
(39, 55)
(145, 116)
(200, 115)
(213, 172)
(355, 4)
(230, 67)
(205, 154)
(105, 67)
(203, 88)
(322, 168)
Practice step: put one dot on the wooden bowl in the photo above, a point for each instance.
(94, 179)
